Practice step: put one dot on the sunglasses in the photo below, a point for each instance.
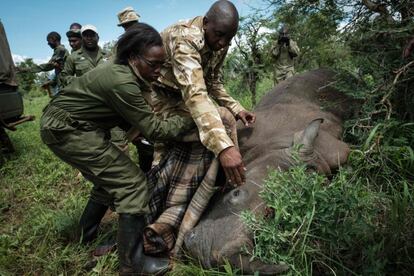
(152, 64)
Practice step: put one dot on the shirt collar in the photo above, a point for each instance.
(198, 21)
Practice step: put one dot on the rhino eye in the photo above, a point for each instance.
(237, 196)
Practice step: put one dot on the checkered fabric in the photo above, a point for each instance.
(182, 183)
(173, 182)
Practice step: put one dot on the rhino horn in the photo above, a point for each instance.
(307, 137)
(306, 140)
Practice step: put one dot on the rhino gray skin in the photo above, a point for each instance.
(289, 114)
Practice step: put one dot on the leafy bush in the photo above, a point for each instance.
(322, 226)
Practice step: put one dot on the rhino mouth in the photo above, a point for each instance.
(214, 240)
(199, 246)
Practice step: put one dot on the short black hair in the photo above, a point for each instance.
(135, 41)
(54, 35)
(75, 24)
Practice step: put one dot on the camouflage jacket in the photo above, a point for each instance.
(283, 56)
(80, 62)
(60, 55)
(192, 78)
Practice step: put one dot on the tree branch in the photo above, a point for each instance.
(380, 8)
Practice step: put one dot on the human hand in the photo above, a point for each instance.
(57, 65)
(137, 139)
(246, 117)
(232, 163)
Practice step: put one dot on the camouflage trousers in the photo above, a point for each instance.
(117, 180)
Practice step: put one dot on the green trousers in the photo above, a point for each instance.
(119, 139)
(117, 181)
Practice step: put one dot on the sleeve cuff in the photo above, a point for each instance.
(236, 109)
(221, 144)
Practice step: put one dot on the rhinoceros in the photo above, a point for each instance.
(303, 110)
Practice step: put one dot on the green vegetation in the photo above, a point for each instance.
(41, 200)
(29, 81)
(344, 225)
(359, 222)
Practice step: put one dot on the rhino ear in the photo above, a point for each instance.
(308, 135)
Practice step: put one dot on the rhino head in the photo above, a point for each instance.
(270, 144)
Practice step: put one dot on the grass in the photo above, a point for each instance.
(342, 226)
(318, 224)
(41, 200)
(358, 223)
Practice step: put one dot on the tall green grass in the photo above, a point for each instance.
(358, 223)
(41, 200)
(320, 226)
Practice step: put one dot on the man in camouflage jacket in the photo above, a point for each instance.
(191, 79)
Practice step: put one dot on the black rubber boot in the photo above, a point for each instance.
(132, 260)
(6, 145)
(90, 220)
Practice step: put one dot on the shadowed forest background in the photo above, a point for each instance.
(360, 223)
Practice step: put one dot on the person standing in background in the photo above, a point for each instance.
(284, 52)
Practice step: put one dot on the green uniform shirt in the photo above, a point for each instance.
(60, 55)
(80, 62)
(111, 95)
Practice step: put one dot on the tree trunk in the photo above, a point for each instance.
(252, 86)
